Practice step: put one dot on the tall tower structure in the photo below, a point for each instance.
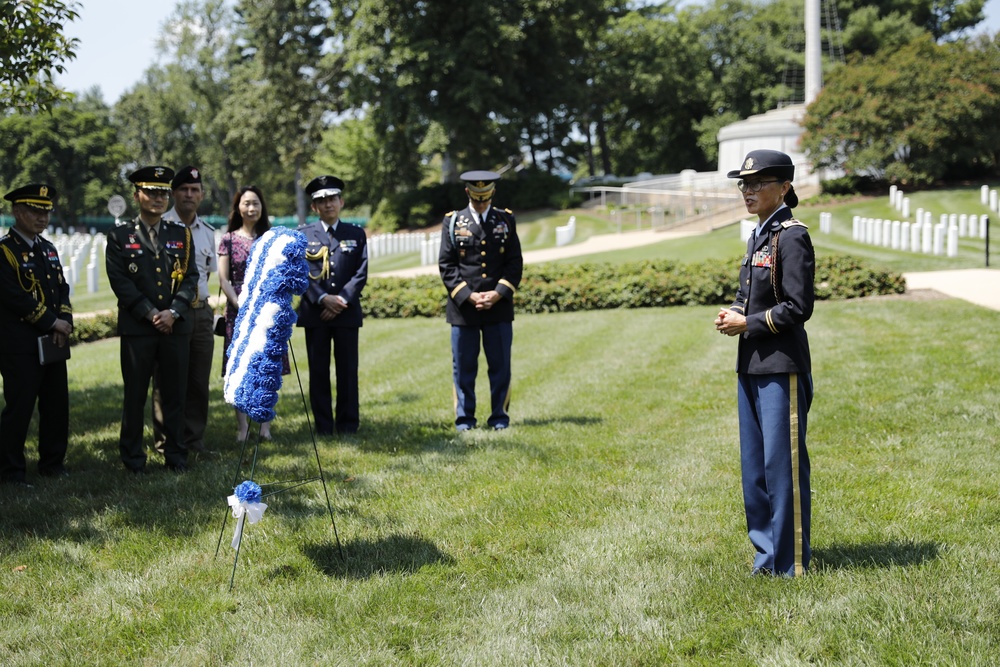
(814, 66)
(780, 129)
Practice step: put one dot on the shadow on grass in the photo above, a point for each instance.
(577, 420)
(874, 555)
(366, 558)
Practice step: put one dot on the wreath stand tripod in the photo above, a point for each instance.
(282, 485)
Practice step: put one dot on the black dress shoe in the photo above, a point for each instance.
(16, 481)
(177, 467)
(137, 470)
(54, 472)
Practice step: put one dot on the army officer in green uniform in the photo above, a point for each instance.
(150, 267)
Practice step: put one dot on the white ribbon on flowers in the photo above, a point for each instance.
(242, 510)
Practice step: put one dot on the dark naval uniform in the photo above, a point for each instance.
(479, 257)
(338, 266)
(775, 391)
(33, 295)
(147, 277)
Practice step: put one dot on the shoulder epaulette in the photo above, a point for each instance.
(175, 223)
(509, 211)
(449, 214)
(794, 223)
(122, 223)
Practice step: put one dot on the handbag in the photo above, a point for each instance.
(219, 324)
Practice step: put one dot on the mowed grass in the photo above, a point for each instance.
(604, 528)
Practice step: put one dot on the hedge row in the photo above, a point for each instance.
(553, 288)
(550, 288)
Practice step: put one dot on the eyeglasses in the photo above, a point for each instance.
(752, 186)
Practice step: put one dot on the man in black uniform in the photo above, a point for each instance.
(330, 310)
(34, 301)
(151, 267)
(480, 264)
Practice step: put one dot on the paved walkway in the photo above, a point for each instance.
(594, 244)
(978, 286)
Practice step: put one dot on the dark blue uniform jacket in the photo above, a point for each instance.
(776, 296)
(337, 266)
(474, 259)
(34, 293)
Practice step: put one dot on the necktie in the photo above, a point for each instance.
(152, 237)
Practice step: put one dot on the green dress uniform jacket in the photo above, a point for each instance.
(145, 279)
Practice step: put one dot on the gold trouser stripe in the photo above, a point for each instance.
(454, 397)
(506, 399)
(793, 416)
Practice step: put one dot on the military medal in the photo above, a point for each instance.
(132, 268)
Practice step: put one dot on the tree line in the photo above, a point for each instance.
(397, 97)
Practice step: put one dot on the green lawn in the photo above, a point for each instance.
(604, 528)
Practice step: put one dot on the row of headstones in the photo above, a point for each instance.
(79, 253)
(380, 245)
(901, 202)
(430, 249)
(924, 236)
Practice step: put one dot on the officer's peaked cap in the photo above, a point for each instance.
(480, 184)
(324, 186)
(152, 178)
(36, 195)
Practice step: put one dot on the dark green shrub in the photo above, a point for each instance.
(550, 288)
(94, 327)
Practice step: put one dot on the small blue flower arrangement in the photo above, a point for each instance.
(248, 492)
(245, 502)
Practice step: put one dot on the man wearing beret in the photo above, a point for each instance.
(34, 302)
(774, 370)
(480, 263)
(151, 267)
(330, 310)
(188, 194)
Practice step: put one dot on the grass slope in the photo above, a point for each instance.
(604, 528)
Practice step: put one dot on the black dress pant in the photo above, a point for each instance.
(345, 355)
(139, 354)
(25, 381)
